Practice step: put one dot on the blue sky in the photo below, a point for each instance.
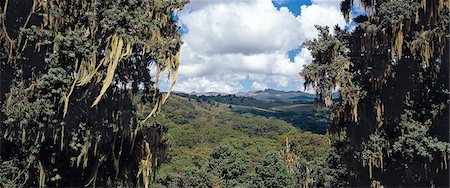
(244, 45)
(292, 5)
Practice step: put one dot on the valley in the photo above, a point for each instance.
(247, 129)
(293, 107)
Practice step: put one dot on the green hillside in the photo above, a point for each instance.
(299, 113)
(199, 131)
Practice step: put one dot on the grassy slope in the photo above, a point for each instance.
(299, 113)
(196, 127)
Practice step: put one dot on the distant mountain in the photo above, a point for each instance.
(276, 95)
(208, 93)
(267, 95)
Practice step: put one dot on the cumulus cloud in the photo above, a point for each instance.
(203, 84)
(241, 27)
(258, 86)
(303, 58)
(332, 3)
(324, 15)
(231, 41)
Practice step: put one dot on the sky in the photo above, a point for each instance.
(246, 45)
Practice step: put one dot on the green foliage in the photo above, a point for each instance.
(211, 139)
(300, 113)
(273, 173)
(332, 172)
(331, 69)
(80, 88)
(415, 142)
(393, 105)
(228, 165)
(10, 174)
(186, 178)
(308, 146)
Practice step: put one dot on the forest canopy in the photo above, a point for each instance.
(392, 74)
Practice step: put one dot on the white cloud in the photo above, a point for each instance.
(319, 15)
(200, 4)
(258, 86)
(238, 27)
(230, 41)
(202, 84)
(333, 3)
(303, 58)
(257, 76)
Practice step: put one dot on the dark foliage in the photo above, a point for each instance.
(392, 72)
(70, 75)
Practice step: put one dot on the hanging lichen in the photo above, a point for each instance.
(376, 184)
(145, 165)
(379, 110)
(397, 44)
(331, 71)
(41, 175)
(86, 66)
(309, 181)
(83, 81)
(372, 153)
(396, 50)
(289, 157)
(366, 5)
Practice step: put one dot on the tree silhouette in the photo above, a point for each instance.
(392, 74)
(77, 86)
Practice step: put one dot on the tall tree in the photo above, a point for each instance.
(78, 80)
(392, 74)
(229, 167)
(272, 172)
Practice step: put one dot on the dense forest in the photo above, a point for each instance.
(212, 146)
(81, 104)
(392, 71)
(299, 111)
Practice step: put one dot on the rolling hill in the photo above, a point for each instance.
(296, 108)
(198, 128)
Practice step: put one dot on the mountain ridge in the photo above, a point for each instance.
(267, 95)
